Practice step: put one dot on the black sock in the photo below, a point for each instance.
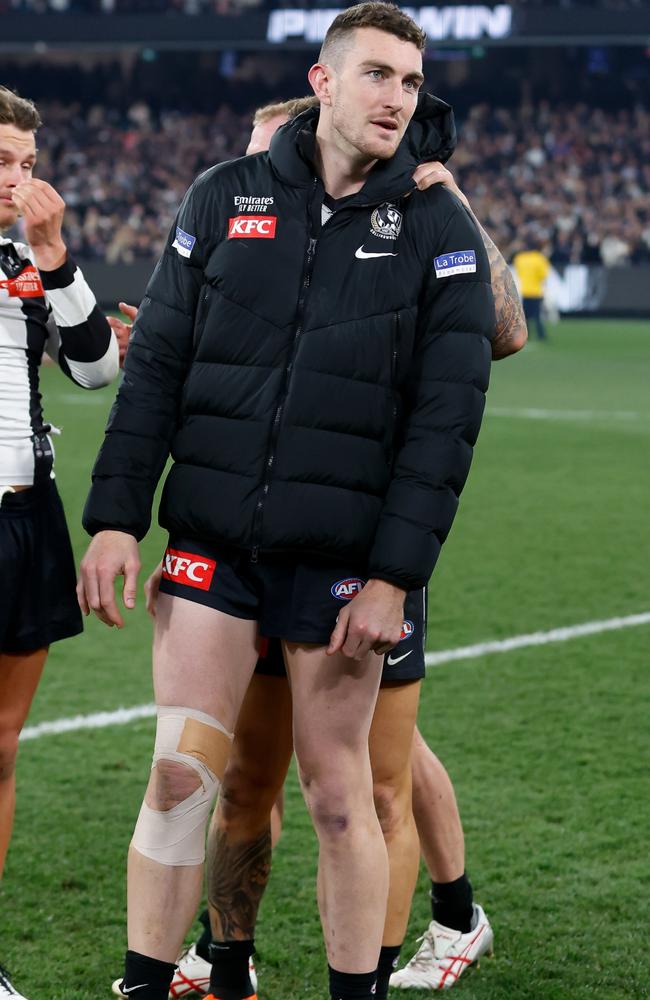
(452, 903)
(388, 958)
(149, 978)
(229, 979)
(205, 940)
(352, 985)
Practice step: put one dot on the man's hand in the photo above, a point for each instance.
(110, 554)
(371, 621)
(428, 174)
(122, 330)
(42, 210)
(151, 590)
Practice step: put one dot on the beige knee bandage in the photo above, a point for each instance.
(177, 836)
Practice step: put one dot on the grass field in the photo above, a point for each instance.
(547, 746)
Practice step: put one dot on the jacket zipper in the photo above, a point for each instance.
(396, 339)
(284, 390)
(393, 385)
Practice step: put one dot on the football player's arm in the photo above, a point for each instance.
(444, 397)
(79, 337)
(511, 330)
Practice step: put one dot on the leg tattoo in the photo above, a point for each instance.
(237, 877)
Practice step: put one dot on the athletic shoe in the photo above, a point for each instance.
(192, 977)
(211, 996)
(445, 954)
(6, 989)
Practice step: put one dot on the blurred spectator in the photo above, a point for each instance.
(573, 178)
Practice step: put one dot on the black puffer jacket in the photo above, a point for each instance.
(320, 387)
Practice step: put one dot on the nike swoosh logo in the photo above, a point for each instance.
(126, 990)
(392, 660)
(362, 255)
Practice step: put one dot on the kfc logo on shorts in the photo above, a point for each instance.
(261, 227)
(345, 590)
(408, 628)
(188, 568)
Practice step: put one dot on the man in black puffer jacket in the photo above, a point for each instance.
(314, 350)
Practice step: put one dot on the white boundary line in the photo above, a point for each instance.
(534, 413)
(98, 720)
(536, 639)
(122, 716)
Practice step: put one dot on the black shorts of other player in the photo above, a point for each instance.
(403, 664)
(298, 602)
(38, 604)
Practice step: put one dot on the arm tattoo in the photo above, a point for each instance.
(511, 322)
(237, 877)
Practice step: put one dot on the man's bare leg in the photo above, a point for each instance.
(19, 677)
(436, 815)
(391, 740)
(459, 933)
(239, 841)
(333, 703)
(203, 661)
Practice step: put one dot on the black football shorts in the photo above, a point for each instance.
(38, 603)
(404, 663)
(298, 602)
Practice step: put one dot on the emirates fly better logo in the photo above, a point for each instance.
(261, 227)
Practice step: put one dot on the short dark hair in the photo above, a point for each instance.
(290, 108)
(373, 14)
(18, 111)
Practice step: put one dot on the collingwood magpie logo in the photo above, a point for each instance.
(386, 222)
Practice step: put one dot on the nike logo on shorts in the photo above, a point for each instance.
(129, 989)
(362, 255)
(392, 660)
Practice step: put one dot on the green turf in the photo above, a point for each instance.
(547, 747)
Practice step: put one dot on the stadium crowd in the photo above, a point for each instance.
(234, 7)
(573, 180)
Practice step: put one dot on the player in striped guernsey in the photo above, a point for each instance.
(46, 307)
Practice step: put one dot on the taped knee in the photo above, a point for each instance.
(177, 835)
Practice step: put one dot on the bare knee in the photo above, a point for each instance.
(393, 808)
(8, 753)
(171, 782)
(334, 803)
(247, 796)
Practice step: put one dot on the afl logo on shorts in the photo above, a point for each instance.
(188, 568)
(408, 628)
(345, 590)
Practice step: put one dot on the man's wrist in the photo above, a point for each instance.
(378, 584)
(50, 257)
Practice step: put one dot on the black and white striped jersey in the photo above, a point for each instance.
(51, 312)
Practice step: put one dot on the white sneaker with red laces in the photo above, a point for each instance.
(6, 989)
(192, 977)
(445, 954)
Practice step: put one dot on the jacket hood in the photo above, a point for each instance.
(431, 135)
